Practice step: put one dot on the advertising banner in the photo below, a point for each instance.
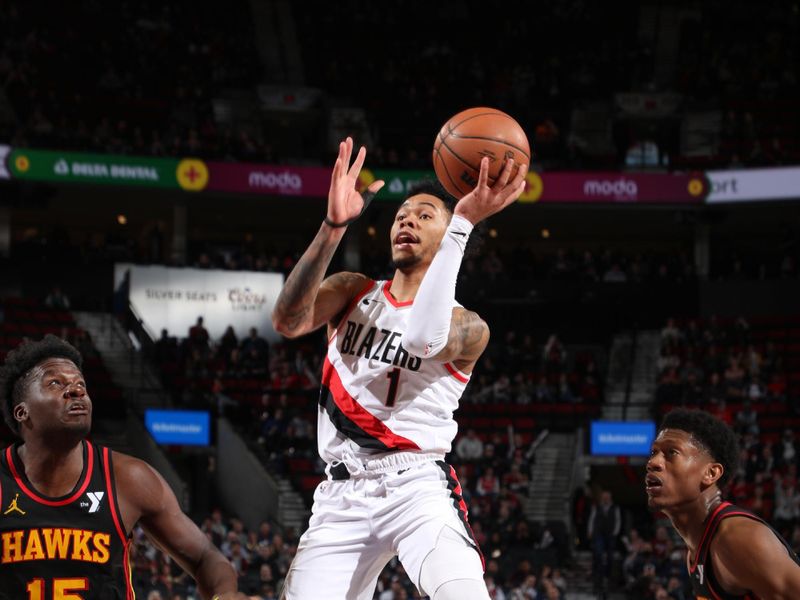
(172, 299)
(74, 167)
(611, 187)
(617, 438)
(185, 427)
(745, 185)
(4, 152)
(247, 178)
(398, 182)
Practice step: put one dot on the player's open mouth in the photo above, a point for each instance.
(652, 483)
(78, 409)
(405, 239)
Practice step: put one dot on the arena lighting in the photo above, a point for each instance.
(493, 233)
(122, 219)
(545, 234)
(371, 231)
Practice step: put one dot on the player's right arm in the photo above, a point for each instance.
(306, 302)
(747, 555)
(145, 498)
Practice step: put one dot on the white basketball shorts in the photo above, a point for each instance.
(358, 524)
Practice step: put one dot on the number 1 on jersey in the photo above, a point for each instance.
(394, 379)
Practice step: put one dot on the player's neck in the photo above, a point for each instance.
(406, 283)
(690, 520)
(52, 468)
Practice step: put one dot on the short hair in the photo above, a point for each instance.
(714, 435)
(18, 364)
(437, 190)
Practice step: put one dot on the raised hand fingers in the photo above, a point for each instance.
(359, 162)
(504, 176)
(519, 178)
(516, 187)
(483, 175)
(375, 186)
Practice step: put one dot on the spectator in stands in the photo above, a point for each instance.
(787, 505)
(543, 392)
(57, 299)
(786, 450)
(227, 342)
(488, 484)
(554, 354)
(564, 392)
(198, 335)
(615, 274)
(581, 509)
(747, 419)
(255, 342)
(603, 529)
(470, 447)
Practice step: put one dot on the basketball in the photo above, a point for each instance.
(469, 136)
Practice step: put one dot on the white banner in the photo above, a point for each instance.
(172, 299)
(745, 185)
(4, 152)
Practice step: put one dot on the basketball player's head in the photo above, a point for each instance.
(419, 225)
(693, 456)
(42, 389)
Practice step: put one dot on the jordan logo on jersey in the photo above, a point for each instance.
(14, 507)
(377, 344)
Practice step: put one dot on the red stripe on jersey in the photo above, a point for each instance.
(370, 284)
(112, 502)
(456, 373)
(693, 563)
(112, 498)
(394, 302)
(360, 415)
(36, 497)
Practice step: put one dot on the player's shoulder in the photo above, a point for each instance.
(466, 315)
(740, 534)
(133, 475)
(348, 282)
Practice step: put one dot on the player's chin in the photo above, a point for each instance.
(657, 501)
(80, 426)
(405, 260)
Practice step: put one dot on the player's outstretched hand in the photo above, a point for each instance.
(484, 201)
(344, 200)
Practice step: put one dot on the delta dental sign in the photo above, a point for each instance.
(172, 299)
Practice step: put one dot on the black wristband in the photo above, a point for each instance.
(367, 197)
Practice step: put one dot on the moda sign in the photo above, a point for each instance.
(609, 187)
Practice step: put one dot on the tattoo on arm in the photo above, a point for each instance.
(294, 303)
(468, 336)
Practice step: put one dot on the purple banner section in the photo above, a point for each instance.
(616, 188)
(268, 179)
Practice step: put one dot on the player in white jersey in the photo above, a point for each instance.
(399, 356)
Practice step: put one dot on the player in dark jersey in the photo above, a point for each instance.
(67, 506)
(732, 553)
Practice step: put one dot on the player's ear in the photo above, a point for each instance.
(21, 412)
(713, 472)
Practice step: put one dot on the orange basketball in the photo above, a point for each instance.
(469, 136)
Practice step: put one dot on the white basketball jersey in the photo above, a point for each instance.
(375, 396)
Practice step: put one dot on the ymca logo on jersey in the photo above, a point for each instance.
(95, 499)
